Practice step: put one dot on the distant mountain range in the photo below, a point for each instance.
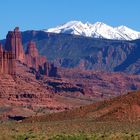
(98, 54)
(97, 30)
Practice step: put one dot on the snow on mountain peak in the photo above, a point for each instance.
(96, 30)
(129, 33)
(99, 24)
(122, 27)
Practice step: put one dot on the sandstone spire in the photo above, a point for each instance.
(1, 58)
(14, 51)
(1, 48)
(32, 50)
(7, 62)
(14, 44)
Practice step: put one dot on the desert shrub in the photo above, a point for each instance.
(24, 137)
(115, 136)
(69, 137)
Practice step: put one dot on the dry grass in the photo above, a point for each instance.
(70, 130)
(80, 124)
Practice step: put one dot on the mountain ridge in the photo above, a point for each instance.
(96, 30)
(87, 53)
(99, 54)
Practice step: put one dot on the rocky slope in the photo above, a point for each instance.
(123, 108)
(73, 88)
(23, 91)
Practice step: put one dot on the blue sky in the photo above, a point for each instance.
(43, 14)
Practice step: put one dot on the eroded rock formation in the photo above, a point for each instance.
(38, 62)
(33, 59)
(7, 62)
(32, 50)
(14, 44)
(13, 51)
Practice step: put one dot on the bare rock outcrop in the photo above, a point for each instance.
(13, 51)
(14, 44)
(7, 62)
(32, 58)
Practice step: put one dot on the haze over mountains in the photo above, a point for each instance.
(97, 30)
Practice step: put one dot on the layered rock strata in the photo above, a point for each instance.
(13, 51)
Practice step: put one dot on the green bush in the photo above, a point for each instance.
(69, 137)
(24, 137)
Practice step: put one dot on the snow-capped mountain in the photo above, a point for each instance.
(97, 30)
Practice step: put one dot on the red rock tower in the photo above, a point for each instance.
(32, 50)
(14, 44)
(1, 59)
(14, 51)
(33, 59)
(7, 62)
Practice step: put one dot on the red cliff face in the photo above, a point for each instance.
(1, 58)
(1, 48)
(33, 59)
(14, 44)
(32, 50)
(7, 62)
(38, 62)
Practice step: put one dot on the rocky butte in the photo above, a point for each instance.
(13, 51)
(14, 44)
(7, 61)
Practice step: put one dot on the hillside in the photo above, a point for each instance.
(73, 88)
(122, 108)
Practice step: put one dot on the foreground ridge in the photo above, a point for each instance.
(122, 108)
